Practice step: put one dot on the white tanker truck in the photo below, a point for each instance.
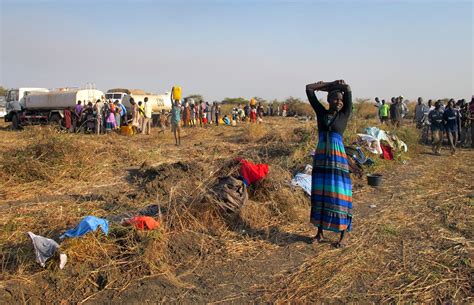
(28, 106)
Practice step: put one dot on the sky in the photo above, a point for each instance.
(269, 49)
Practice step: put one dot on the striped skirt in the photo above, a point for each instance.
(331, 185)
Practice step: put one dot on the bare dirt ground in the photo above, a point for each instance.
(412, 238)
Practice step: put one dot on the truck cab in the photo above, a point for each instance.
(115, 96)
(16, 100)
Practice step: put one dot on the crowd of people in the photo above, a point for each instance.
(105, 116)
(451, 120)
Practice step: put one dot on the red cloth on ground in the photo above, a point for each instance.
(143, 222)
(252, 173)
(67, 119)
(386, 152)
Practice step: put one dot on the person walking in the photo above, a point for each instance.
(437, 127)
(175, 120)
(331, 188)
(450, 117)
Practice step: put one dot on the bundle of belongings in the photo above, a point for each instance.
(87, 224)
(45, 248)
(303, 179)
(230, 192)
(380, 142)
(357, 160)
(141, 222)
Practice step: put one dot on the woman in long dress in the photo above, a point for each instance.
(331, 189)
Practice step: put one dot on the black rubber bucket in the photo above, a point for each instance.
(374, 179)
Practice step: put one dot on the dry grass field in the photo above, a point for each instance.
(415, 245)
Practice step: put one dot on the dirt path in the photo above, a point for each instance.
(267, 259)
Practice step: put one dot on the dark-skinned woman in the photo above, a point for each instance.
(331, 189)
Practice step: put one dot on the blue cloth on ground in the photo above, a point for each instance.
(303, 181)
(87, 224)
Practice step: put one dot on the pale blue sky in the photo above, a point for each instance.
(241, 48)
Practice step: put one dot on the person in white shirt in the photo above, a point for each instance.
(146, 128)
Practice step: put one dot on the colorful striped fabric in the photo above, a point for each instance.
(331, 186)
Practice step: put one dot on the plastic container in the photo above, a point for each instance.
(253, 102)
(374, 179)
(126, 130)
(176, 93)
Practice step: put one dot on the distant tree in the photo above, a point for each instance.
(260, 100)
(234, 100)
(196, 97)
(3, 91)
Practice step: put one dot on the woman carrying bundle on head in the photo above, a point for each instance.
(331, 188)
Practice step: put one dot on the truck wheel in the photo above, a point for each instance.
(15, 122)
(55, 119)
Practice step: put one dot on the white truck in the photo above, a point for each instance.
(158, 102)
(29, 106)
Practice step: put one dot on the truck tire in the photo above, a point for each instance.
(55, 119)
(15, 122)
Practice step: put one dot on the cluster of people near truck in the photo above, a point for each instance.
(105, 116)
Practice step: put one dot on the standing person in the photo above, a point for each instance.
(208, 113)
(457, 110)
(284, 109)
(118, 114)
(437, 127)
(110, 116)
(67, 119)
(420, 110)
(451, 123)
(123, 114)
(163, 121)
(201, 112)
(192, 111)
(186, 114)
(471, 116)
(98, 116)
(253, 114)
(146, 129)
(141, 115)
(247, 111)
(331, 189)
(175, 120)
(378, 104)
(395, 112)
(217, 113)
(465, 125)
(260, 113)
(135, 116)
(383, 112)
(76, 122)
(213, 112)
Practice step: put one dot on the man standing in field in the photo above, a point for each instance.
(395, 112)
(383, 112)
(175, 119)
(420, 110)
(146, 129)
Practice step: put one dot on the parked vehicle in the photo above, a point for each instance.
(29, 106)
